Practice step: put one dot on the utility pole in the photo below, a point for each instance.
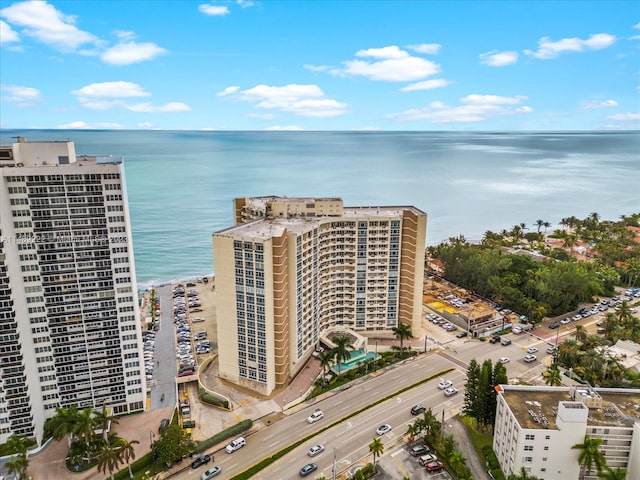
(334, 462)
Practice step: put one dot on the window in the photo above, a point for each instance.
(528, 448)
(529, 437)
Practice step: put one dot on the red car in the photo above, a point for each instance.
(434, 467)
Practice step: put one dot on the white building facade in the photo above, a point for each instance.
(69, 321)
(537, 426)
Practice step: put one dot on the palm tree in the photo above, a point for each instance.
(521, 475)
(581, 333)
(17, 465)
(449, 445)
(552, 376)
(325, 358)
(376, 448)
(413, 430)
(539, 224)
(590, 455)
(103, 419)
(402, 332)
(457, 461)
(341, 349)
(127, 452)
(83, 426)
(110, 455)
(430, 423)
(568, 353)
(546, 225)
(611, 474)
(63, 423)
(18, 444)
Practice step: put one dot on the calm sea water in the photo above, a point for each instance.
(181, 184)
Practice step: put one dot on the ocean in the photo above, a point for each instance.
(181, 184)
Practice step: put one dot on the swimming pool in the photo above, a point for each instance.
(355, 358)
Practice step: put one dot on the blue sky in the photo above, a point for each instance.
(320, 65)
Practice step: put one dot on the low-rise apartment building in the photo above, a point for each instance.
(536, 426)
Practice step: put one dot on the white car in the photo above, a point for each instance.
(504, 359)
(450, 391)
(530, 358)
(236, 445)
(444, 384)
(532, 350)
(315, 450)
(565, 321)
(315, 416)
(382, 429)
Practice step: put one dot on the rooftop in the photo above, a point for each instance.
(614, 407)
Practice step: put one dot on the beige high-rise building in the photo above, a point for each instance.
(292, 268)
(69, 324)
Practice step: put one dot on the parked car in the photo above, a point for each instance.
(236, 445)
(461, 334)
(201, 460)
(505, 342)
(532, 350)
(504, 359)
(554, 325)
(434, 466)
(425, 459)
(530, 358)
(419, 450)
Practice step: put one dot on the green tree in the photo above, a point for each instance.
(457, 461)
(376, 448)
(17, 465)
(471, 391)
(611, 474)
(590, 455)
(521, 475)
(62, 424)
(449, 446)
(402, 332)
(326, 359)
(127, 452)
(174, 443)
(341, 350)
(84, 425)
(552, 375)
(102, 420)
(109, 457)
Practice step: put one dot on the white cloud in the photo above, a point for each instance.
(111, 90)
(622, 117)
(145, 125)
(426, 85)
(108, 95)
(21, 96)
(317, 68)
(41, 21)
(302, 100)
(170, 107)
(637, 25)
(7, 34)
(473, 108)
(213, 10)
(79, 125)
(287, 128)
(391, 64)
(127, 53)
(548, 49)
(245, 3)
(262, 116)
(228, 91)
(602, 104)
(495, 58)
(428, 48)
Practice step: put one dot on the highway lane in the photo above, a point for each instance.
(294, 427)
(351, 439)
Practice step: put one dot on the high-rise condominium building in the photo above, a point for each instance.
(69, 329)
(537, 427)
(292, 268)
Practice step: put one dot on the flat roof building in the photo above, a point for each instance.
(69, 323)
(536, 426)
(292, 268)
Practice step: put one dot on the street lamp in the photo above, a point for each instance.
(153, 455)
(425, 343)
